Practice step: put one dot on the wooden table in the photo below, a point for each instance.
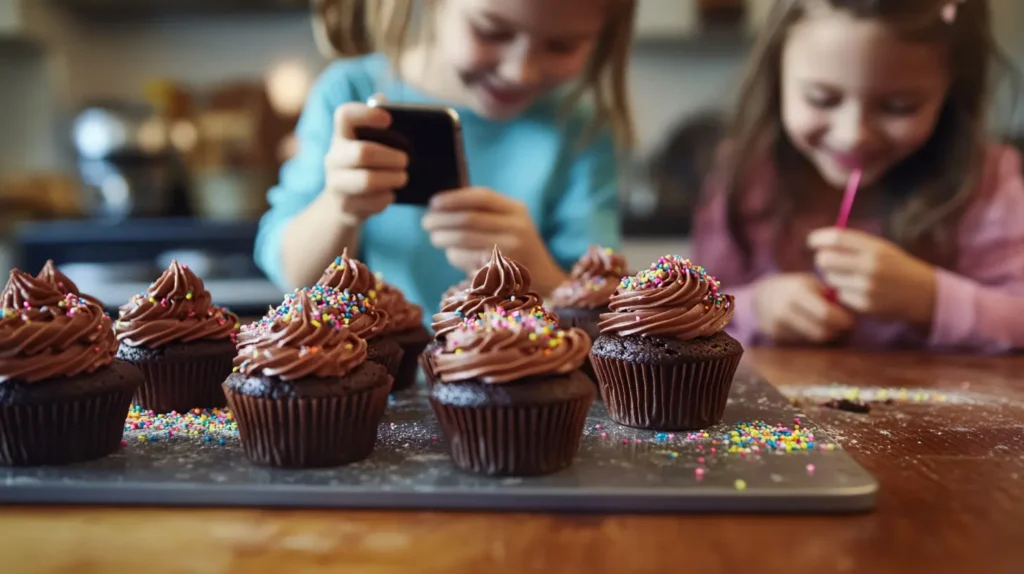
(952, 500)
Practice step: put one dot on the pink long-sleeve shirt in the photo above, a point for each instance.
(979, 303)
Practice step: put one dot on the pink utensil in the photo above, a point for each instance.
(844, 215)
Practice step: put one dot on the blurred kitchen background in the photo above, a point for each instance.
(133, 131)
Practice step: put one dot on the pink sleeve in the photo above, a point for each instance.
(715, 250)
(981, 307)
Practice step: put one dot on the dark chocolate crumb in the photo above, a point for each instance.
(848, 405)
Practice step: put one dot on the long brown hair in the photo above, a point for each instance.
(924, 196)
(356, 27)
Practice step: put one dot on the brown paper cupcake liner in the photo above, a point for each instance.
(183, 385)
(63, 432)
(409, 365)
(665, 397)
(309, 432)
(426, 361)
(514, 440)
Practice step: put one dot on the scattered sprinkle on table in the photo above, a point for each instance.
(208, 424)
(740, 484)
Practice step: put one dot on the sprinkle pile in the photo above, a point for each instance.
(541, 330)
(69, 305)
(210, 425)
(335, 308)
(657, 274)
(758, 437)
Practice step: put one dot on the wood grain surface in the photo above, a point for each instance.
(949, 453)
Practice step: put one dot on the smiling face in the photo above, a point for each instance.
(855, 95)
(508, 53)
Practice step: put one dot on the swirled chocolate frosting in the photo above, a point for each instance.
(304, 340)
(402, 315)
(348, 274)
(45, 334)
(593, 280)
(673, 298)
(352, 311)
(501, 347)
(175, 309)
(65, 285)
(501, 284)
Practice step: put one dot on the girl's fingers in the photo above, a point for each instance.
(471, 199)
(468, 260)
(348, 154)
(352, 115)
(359, 181)
(465, 220)
(465, 239)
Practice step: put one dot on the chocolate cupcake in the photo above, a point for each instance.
(500, 284)
(351, 275)
(663, 360)
(405, 327)
(63, 396)
(583, 298)
(182, 343)
(63, 283)
(509, 394)
(303, 393)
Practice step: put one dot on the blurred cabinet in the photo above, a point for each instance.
(667, 19)
(10, 18)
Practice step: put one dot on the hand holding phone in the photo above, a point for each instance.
(431, 138)
(362, 175)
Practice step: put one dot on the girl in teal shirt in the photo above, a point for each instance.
(540, 88)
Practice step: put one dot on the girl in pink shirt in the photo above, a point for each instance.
(933, 255)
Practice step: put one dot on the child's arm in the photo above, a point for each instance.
(329, 187)
(981, 308)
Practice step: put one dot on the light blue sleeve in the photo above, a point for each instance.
(588, 212)
(302, 177)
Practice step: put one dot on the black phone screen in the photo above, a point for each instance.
(432, 139)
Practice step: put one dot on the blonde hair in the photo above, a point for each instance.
(356, 27)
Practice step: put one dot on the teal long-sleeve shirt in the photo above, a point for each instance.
(569, 184)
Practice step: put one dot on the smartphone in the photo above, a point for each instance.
(432, 138)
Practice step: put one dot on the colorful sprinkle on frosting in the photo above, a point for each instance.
(658, 274)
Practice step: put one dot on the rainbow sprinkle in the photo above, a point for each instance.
(335, 308)
(760, 437)
(536, 322)
(665, 270)
(205, 424)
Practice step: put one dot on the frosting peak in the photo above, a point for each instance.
(176, 308)
(348, 274)
(44, 334)
(63, 283)
(500, 284)
(498, 347)
(672, 298)
(304, 339)
(593, 280)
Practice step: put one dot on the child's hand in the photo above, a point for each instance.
(874, 276)
(468, 223)
(360, 175)
(792, 308)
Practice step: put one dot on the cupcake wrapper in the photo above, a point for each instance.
(426, 361)
(407, 368)
(309, 432)
(665, 397)
(65, 432)
(183, 385)
(513, 441)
